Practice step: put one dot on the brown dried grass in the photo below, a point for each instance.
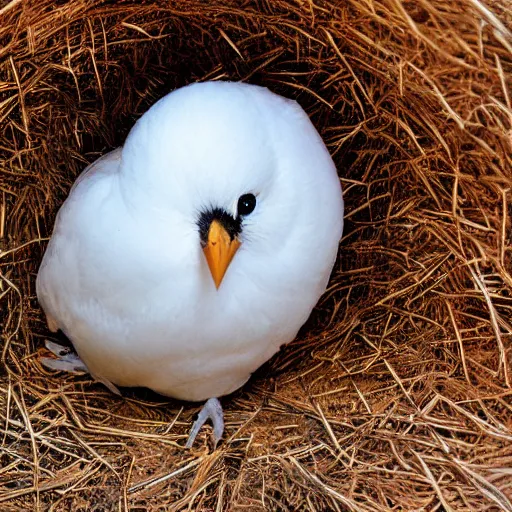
(397, 395)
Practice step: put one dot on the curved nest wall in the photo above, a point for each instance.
(396, 396)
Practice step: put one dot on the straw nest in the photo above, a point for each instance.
(396, 395)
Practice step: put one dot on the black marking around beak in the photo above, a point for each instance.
(231, 225)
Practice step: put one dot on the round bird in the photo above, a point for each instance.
(184, 260)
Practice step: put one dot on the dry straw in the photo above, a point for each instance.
(397, 394)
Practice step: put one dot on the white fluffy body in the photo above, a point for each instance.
(125, 277)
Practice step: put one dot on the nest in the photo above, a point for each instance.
(397, 393)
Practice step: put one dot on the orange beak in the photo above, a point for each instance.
(219, 251)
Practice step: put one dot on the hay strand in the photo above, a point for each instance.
(397, 394)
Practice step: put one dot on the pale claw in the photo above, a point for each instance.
(211, 410)
(68, 361)
(111, 387)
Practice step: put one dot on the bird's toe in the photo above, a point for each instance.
(212, 410)
(65, 364)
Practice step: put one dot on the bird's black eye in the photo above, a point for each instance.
(246, 204)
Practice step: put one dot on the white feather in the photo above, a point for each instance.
(124, 275)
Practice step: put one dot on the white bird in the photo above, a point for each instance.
(184, 260)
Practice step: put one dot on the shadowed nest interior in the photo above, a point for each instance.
(396, 395)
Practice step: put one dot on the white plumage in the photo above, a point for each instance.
(125, 275)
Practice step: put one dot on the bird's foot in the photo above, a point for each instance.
(68, 361)
(212, 409)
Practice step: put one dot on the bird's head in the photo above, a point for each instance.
(237, 172)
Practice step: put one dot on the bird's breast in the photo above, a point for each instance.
(183, 337)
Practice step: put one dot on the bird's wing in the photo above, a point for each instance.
(105, 165)
(59, 267)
